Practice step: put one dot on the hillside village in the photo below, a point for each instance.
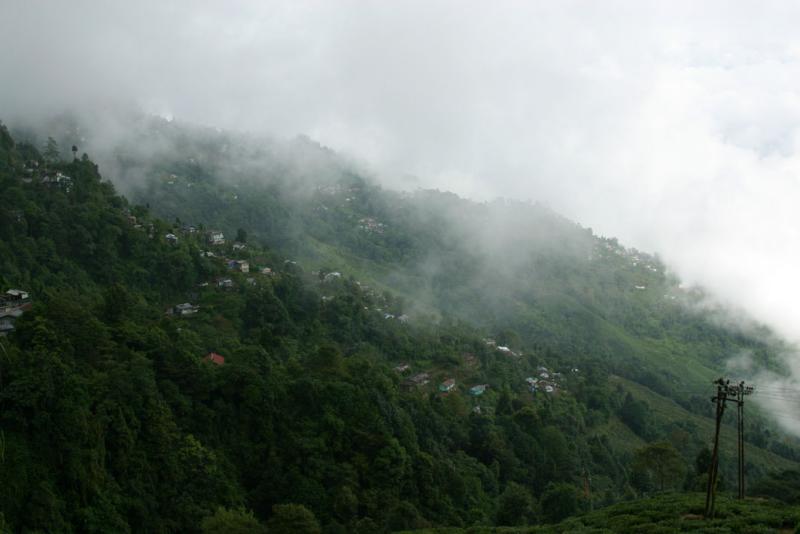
(445, 380)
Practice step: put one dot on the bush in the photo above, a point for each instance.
(292, 519)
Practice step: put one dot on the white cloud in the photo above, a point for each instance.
(672, 125)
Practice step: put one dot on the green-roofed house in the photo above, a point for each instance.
(478, 390)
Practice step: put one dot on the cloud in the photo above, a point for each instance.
(673, 126)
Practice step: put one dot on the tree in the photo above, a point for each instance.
(559, 456)
(405, 516)
(241, 235)
(504, 403)
(515, 506)
(345, 504)
(698, 480)
(51, 153)
(634, 413)
(231, 521)
(292, 519)
(326, 359)
(559, 500)
(702, 461)
(662, 462)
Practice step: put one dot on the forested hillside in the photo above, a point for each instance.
(264, 339)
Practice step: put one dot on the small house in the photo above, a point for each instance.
(171, 238)
(239, 246)
(369, 223)
(185, 309)
(215, 358)
(16, 295)
(419, 379)
(447, 385)
(478, 390)
(215, 237)
(330, 277)
(225, 283)
(402, 368)
(241, 266)
(266, 271)
(7, 320)
(58, 179)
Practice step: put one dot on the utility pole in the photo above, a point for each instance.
(711, 489)
(737, 394)
(741, 391)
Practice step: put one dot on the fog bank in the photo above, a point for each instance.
(673, 126)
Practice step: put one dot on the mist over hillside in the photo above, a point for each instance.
(671, 128)
(331, 267)
(503, 264)
(547, 352)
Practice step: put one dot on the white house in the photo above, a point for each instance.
(215, 237)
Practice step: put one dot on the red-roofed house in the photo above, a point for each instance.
(213, 357)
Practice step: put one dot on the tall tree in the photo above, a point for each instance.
(515, 506)
(51, 153)
(662, 462)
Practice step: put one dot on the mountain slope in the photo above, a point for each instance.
(113, 420)
(503, 265)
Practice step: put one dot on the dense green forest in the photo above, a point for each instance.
(349, 359)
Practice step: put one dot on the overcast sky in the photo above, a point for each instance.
(671, 125)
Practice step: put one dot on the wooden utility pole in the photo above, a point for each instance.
(737, 394)
(741, 391)
(711, 489)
